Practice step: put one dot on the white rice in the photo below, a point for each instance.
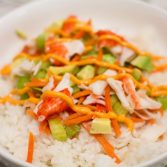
(83, 151)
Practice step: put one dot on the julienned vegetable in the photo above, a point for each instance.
(86, 72)
(101, 126)
(143, 62)
(58, 130)
(73, 79)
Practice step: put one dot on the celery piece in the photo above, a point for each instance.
(24, 96)
(62, 70)
(40, 42)
(101, 126)
(136, 73)
(109, 58)
(87, 72)
(163, 101)
(21, 81)
(72, 130)
(57, 130)
(40, 74)
(143, 62)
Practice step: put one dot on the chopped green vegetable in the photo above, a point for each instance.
(40, 42)
(24, 96)
(143, 62)
(101, 70)
(136, 74)
(40, 74)
(45, 65)
(62, 70)
(109, 58)
(57, 130)
(101, 126)
(22, 80)
(117, 106)
(87, 72)
(72, 130)
(21, 34)
(163, 101)
(75, 89)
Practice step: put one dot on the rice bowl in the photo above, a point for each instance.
(84, 149)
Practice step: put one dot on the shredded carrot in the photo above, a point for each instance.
(44, 128)
(75, 115)
(108, 99)
(78, 120)
(108, 148)
(100, 55)
(160, 68)
(75, 58)
(31, 114)
(30, 152)
(6, 70)
(116, 127)
(108, 102)
(36, 83)
(81, 99)
(137, 120)
(82, 93)
(151, 121)
(158, 93)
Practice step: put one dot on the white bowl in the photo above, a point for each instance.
(125, 16)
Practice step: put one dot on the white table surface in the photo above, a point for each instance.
(8, 5)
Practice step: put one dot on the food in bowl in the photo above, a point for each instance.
(79, 97)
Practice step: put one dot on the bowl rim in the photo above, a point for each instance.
(12, 159)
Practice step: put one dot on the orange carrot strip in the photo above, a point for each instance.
(30, 152)
(75, 115)
(76, 58)
(36, 83)
(81, 99)
(31, 114)
(82, 93)
(160, 68)
(137, 120)
(114, 122)
(78, 120)
(116, 127)
(44, 128)
(100, 55)
(108, 148)
(151, 121)
(108, 99)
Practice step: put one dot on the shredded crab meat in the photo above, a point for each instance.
(64, 83)
(110, 72)
(130, 90)
(117, 87)
(73, 47)
(146, 102)
(49, 85)
(93, 100)
(126, 53)
(98, 87)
